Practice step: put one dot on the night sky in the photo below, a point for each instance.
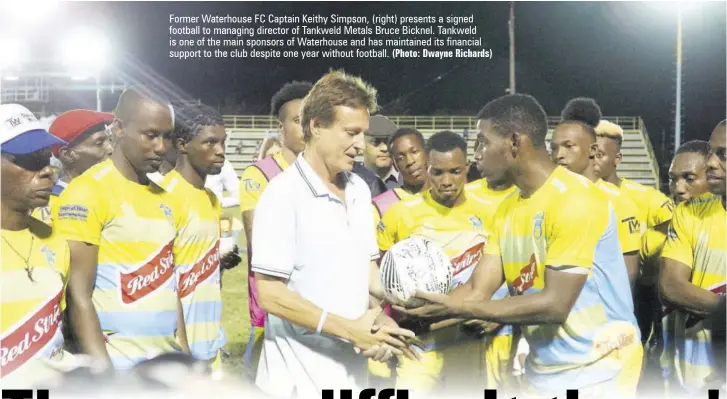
(621, 54)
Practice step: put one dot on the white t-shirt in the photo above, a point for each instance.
(305, 234)
(228, 181)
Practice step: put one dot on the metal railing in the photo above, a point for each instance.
(456, 123)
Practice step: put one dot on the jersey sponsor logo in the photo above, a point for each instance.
(538, 225)
(467, 259)
(634, 225)
(251, 185)
(615, 337)
(527, 277)
(201, 271)
(149, 277)
(73, 212)
(19, 345)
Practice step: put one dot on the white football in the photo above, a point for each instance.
(414, 264)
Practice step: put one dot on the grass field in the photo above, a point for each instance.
(235, 314)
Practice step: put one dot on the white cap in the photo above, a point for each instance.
(21, 132)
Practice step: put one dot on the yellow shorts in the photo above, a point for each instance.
(498, 361)
(459, 366)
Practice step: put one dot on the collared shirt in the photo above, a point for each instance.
(392, 179)
(323, 247)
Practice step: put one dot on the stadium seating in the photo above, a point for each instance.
(639, 163)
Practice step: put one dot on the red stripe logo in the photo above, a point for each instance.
(201, 271)
(148, 278)
(468, 258)
(21, 344)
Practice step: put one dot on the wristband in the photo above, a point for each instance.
(321, 321)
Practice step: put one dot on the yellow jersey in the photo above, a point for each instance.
(629, 224)
(197, 263)
(32, 300)
(384, 201)
(569, 222)
(133, 227)
(494, 197)
(696, 238)
(452, 357)
(654, 209)
(254, 180)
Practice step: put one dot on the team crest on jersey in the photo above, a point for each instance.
(538, 225)
(476, 222)
(50, 255)
(167, 212)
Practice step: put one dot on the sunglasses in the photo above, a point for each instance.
(34, 162)
(377, 141)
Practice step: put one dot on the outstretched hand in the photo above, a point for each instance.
(435, 305)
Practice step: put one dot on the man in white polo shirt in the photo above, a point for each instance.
(314, 255)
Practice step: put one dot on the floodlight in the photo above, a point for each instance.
(84, 52)
(12, 51)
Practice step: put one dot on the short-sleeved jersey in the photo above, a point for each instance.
(134, 292)
(252, 185)
(401, 194)
(197, 262)
(627, 216)
(696, 238)
(253, 182)
(460, 231)
(30, 312)
(654, 209)
(568, 222)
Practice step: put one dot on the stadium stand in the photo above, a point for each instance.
(639, 162)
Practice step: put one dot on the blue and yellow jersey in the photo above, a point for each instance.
(568, 222)
(32, 300)
(627, 216)
(696, 239)
(133, 227)
(197, 263)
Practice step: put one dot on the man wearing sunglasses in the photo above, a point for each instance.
(35, 261)
(377, 170)
(88, 144)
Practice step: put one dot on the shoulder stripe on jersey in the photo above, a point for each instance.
(101, 173)
(269, 167)
(559, 185)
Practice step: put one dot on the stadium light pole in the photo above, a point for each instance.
(678, 111)
(511, 32)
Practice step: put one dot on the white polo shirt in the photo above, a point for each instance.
(305, 234)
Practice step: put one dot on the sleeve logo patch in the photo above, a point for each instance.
(251, 185)
(73, 212)
(381, 226)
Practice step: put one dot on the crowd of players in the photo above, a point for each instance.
(565, 275)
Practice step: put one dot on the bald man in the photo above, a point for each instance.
(124, 306)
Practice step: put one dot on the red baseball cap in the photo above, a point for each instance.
(69, 125)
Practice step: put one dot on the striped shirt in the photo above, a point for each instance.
(134, 291)
(568, 222)
(197, 263)
(696, 238)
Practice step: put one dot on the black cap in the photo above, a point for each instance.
(381, 126)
